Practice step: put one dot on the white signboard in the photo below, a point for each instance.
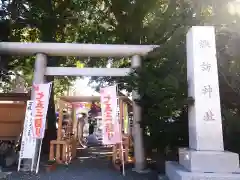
(98, 129)
(86, 130)
(28, 141)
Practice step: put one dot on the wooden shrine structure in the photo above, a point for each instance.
(63, 149)
(12, 114)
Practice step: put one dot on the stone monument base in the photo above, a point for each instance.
(208, 161)
(175, 171)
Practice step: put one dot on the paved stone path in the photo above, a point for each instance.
(91, 164)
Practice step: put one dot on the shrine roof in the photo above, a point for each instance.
(14, 96)
(75, 99)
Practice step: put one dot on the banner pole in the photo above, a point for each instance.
(32, 165)
(19, 162)
(123, 162)
(120, 129)
(39, 155)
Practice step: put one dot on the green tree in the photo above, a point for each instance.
(162, 80)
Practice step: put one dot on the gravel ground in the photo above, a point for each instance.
(90, 164)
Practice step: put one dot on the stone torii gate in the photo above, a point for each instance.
(42, 50)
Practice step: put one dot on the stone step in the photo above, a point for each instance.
(162, 177)
(175, 171)
(4, 175)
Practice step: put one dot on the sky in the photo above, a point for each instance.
(83, 89)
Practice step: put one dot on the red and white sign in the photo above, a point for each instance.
(111, 130)
(41, 101)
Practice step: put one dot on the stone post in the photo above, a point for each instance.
(19, 85)
(137, 130)
(205, 159)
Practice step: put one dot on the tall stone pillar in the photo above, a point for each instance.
(39, 69)
(205, 159)
(137, 130)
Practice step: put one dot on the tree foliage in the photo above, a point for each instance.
(161, 82)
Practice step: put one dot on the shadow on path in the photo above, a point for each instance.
(91, 164)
